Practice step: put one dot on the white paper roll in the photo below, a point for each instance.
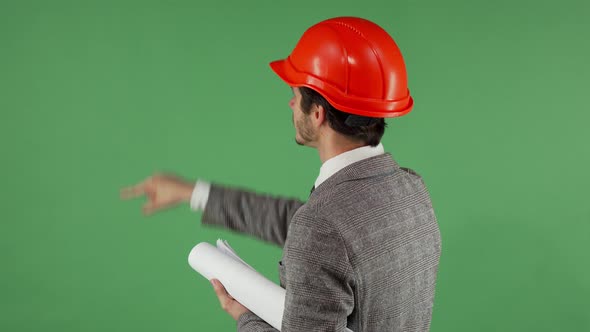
(254, 291)
(260, 295)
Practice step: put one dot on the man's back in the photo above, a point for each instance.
(363, 251)
(390, 237)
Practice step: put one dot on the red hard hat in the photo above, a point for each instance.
(354, 64)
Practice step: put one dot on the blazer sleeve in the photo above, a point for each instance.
(319, 279)
(263, 216)
(249, 322)
(319, 285)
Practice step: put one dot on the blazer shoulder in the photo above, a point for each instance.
(310, 215)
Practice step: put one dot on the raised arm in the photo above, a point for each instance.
(263, 216)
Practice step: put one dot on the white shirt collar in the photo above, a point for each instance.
(336, 163)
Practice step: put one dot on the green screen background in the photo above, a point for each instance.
(96, 96)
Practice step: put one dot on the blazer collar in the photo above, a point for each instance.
(336, 163)
(381, 164)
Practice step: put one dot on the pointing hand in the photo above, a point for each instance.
(162, 191)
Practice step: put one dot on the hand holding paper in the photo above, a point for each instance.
(260, 295)
(234, 308)
(250, 288)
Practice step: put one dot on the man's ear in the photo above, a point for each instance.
(319, 114)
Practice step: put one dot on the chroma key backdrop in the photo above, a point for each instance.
(98, 95)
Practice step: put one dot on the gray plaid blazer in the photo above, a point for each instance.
(362, 252)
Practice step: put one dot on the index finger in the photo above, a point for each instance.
(133, 191)
(222, 294)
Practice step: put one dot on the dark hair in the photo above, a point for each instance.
(358, 128)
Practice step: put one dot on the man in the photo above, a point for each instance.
(363, 251)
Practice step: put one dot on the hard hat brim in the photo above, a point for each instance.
(350, 104)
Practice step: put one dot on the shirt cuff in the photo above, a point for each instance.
(200, 195)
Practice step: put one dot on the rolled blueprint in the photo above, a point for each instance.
(254, 291)
(260, 295)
